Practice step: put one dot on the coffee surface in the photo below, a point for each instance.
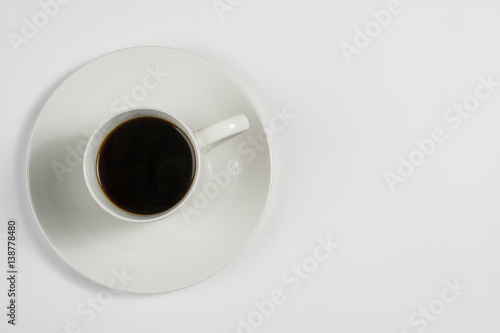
(146, 165)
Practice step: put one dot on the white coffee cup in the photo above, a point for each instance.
(202, 141)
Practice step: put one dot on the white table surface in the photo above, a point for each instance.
(399, 251)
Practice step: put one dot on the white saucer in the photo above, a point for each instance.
(178, 251)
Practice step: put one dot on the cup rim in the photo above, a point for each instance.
(93, 146)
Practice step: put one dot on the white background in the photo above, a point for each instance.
(353, 121)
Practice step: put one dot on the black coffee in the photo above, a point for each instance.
(146, 165)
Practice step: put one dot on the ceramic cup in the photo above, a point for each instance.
(202, 141)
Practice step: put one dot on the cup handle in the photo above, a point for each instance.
(211, 136)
